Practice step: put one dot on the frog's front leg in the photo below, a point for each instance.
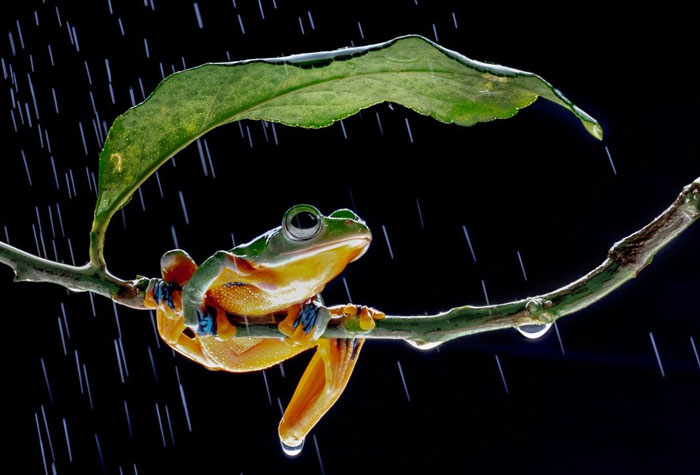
(319, 388)
(196, 316)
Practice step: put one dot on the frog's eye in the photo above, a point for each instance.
(302, 222)
(345, 214)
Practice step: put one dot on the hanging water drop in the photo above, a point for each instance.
(292, 450)
(425, 346)
(534, 331)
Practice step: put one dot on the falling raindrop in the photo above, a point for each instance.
(318, 453)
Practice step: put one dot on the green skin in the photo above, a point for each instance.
(274, 248)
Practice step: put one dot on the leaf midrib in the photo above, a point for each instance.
(335, 79)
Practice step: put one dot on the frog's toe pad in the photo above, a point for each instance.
(367, 317)
(206, 321)
(292, 450)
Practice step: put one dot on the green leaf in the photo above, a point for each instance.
(310, 90)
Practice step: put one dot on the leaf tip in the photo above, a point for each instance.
(595, 130)
(591, 125)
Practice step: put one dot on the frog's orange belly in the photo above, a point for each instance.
(242, 299)
(248, 354)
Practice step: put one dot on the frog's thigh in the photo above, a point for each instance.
(241, 354)
(319, 388)
(193, 349)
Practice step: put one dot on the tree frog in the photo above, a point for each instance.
(275, 278)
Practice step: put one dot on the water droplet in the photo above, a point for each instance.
(424, 345)
(350, 65)
(292, 450)
(533, 331)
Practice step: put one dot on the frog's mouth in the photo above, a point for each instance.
(359, 242)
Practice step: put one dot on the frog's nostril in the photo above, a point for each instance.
(348, 222)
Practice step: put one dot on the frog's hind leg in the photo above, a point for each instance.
(319, 388)
(172, 331)
(177, 266)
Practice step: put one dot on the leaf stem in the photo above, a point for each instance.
(97, 242)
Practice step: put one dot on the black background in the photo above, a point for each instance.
(537, 184)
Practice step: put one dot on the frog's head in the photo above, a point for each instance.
(309, 245)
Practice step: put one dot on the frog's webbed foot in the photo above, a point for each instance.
(214, 321)
(320, 387)
(206, 321)
(305, 322)
(163, 293)
(366, 315)
(164, 296)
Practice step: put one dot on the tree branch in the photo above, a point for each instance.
(625, 260)
(30, 268)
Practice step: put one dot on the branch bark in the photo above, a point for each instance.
(624, 261)
(88, 278)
